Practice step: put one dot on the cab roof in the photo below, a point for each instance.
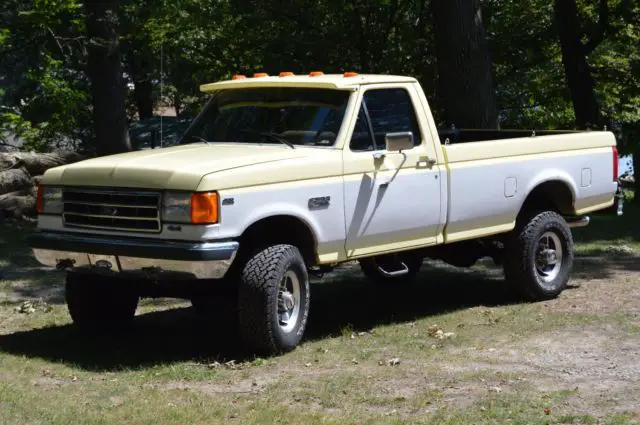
(327, 81)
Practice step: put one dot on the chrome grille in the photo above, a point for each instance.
(112, 209)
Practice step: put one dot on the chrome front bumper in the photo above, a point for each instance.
(145, 257)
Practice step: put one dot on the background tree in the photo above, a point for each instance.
(105, 72)
(465, 82)
(508, 59)
(574, 58)
(44, 97)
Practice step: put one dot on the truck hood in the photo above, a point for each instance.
(176, 168)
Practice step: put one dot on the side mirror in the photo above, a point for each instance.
(399, 141)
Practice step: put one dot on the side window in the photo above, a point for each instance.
(361, 137)
(390, 111)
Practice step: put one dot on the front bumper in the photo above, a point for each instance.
(146, 257)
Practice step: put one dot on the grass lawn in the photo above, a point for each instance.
(370, 355)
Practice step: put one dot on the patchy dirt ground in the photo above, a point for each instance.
(452, 348)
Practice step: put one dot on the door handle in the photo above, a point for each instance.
(427, 162)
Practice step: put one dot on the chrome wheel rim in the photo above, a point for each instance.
(288, 305)
(548, 257)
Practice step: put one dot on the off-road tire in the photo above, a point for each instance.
(520, 256)
(369, 267)
(258, 290)
(96, 303)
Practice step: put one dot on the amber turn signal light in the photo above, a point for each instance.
(204, 208)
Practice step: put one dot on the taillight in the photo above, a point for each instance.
(40, 199)
(615, 164)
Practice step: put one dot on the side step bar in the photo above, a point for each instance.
(400, 272)
(578, 221)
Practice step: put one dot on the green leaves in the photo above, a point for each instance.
(185, 43)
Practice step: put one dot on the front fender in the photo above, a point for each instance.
(283, 209)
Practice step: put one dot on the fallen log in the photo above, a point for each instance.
(17, 205)
(15, 179)
(37, 163)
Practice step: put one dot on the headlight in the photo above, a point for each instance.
(176, 207)
(49, 200)
(187, 207)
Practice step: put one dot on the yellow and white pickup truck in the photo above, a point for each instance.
(282, 176)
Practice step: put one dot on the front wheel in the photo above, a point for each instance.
(273, 298)
(97, 303)
(539, 256)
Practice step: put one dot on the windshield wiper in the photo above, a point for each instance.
(278, 138)
(271, 135)
(198, 138)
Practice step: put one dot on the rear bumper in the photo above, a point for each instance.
(146, 257)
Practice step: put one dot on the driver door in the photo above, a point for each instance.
(392, 199)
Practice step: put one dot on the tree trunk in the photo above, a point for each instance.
(177, 103)
(143, 95)
(636, 174)
(37, 163)
(105, 73)
(15, 180)
(465, 83)
(17, 205)
(142, 87)
(579, 79)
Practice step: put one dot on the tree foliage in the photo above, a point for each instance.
(43, 96)
(169, 48)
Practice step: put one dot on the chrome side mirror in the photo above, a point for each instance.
(401, 141)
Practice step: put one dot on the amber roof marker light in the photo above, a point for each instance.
(287, 74)
(350, 74)
(238, 77)
(316, 74)
(260, 75)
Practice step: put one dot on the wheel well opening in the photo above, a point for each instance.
(280, 229)
(553, 195)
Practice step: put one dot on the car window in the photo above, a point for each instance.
(361, 138)
(300, 116)
(391, 111)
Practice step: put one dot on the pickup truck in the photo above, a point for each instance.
(284, 176)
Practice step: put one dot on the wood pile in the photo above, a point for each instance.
(20, 173)
(627, 181)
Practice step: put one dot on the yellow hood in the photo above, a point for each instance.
(178, 168)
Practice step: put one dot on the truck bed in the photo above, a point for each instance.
(464, 135)
(489, 180)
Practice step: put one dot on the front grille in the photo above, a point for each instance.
(112, 209)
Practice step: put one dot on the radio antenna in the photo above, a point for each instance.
(161, 87)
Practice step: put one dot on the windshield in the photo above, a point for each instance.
(293, 116)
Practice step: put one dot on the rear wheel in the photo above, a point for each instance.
(539, 256)
(392, 268)
(273, 299)
(97, 303)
